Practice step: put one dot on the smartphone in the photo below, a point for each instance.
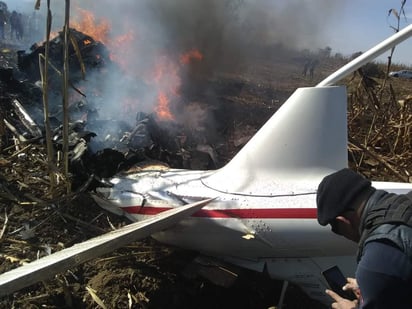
(336, 281)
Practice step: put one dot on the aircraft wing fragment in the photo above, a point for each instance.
(60, 261)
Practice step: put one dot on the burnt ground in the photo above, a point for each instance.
(144, 274)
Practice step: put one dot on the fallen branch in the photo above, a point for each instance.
(3, 230)
(380, 160)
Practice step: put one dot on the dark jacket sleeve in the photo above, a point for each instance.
(384, 275)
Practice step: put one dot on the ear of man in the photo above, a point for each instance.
(348, 225)
(344, 220)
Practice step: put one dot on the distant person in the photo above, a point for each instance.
(19, 27)
(380, 222)
(34, 26)
(3, 21)
(13, 25)
(312, 67)
(306, 66)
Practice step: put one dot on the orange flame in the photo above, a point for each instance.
(119, 50)
(191, 54)
(100, 31)
(165, 77)
(87, 24)
(162, 109)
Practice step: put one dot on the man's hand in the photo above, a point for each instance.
(352, 285)
(340, 302)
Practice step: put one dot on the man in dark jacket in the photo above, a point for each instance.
(381, 224)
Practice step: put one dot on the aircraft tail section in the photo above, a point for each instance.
(305, 138)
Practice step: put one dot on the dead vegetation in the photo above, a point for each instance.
(379, 122)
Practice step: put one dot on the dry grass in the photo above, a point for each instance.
(379, 124)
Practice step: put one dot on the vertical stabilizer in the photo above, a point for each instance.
(305, 138)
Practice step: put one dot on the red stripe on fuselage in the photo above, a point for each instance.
(255, 213)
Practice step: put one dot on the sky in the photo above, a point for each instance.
(346, 26)
(364, 23)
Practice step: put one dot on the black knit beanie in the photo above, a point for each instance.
(338, 191)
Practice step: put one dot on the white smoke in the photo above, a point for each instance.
(229, 33)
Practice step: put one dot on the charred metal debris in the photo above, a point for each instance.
(99, 146)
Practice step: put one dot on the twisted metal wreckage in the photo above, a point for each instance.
(258, 211)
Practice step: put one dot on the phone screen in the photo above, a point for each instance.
(336, 281)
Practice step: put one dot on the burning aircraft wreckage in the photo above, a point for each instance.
(100, 145)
